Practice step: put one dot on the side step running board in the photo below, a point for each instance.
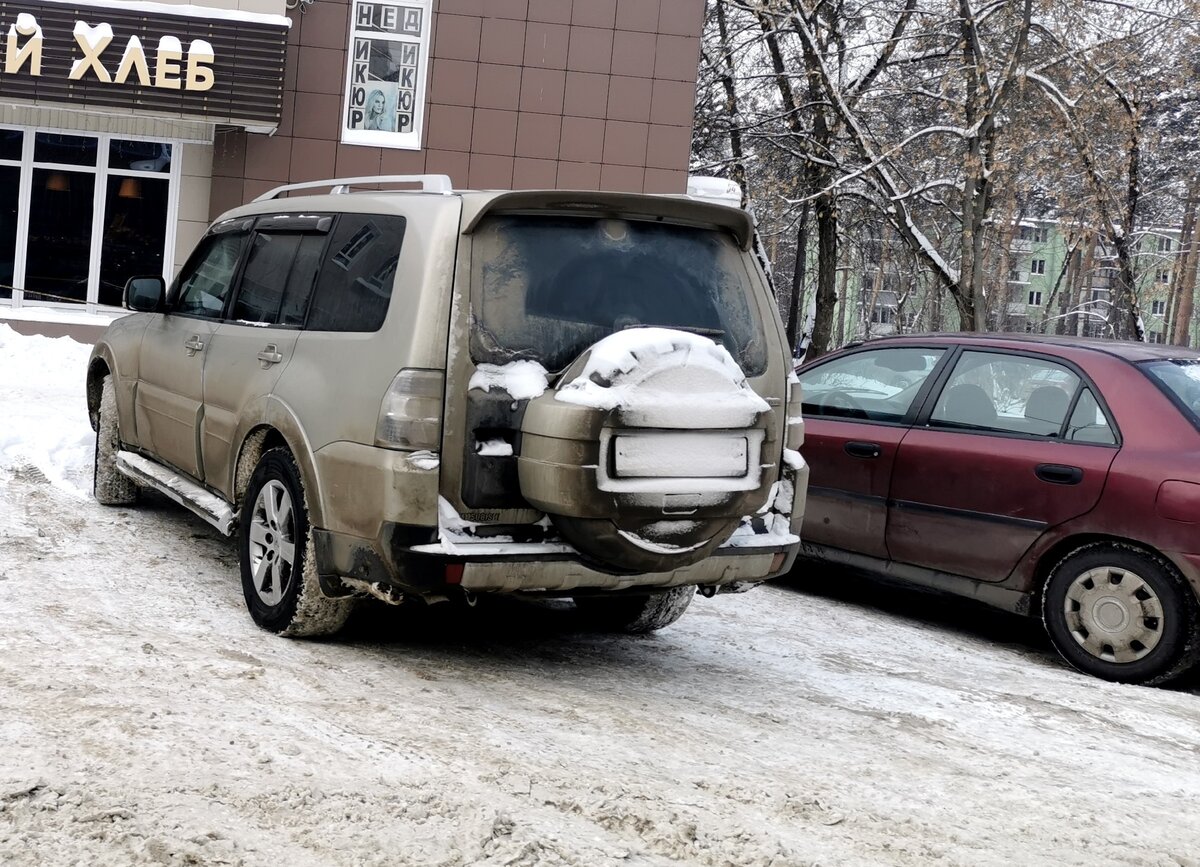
(208, 506)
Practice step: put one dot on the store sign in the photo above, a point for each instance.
(218, 66)
(385, 73)
(26, 41)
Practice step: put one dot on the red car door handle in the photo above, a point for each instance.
(1059, 474)
(863, 450)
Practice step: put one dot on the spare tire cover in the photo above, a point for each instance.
(648, 451)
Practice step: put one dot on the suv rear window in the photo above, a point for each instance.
(547, 288)
(355, 284)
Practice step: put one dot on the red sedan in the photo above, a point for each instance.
(1048, 476)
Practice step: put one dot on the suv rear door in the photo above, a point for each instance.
(992, 463)
(544, 287)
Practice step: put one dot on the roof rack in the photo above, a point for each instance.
(339, 186)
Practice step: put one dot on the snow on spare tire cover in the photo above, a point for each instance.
(667, 382)
(684, 367)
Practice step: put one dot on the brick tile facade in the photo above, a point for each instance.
(574, 94)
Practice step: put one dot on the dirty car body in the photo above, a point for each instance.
(576, 394)
(1057, 477)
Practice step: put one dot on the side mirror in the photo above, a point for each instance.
(145, 294)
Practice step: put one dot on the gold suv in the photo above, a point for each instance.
(431, 394)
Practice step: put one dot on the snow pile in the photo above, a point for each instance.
(773, 523)
(495, 449)
(45, 426)
(661, 377)
(34, 313)
(425, 460)
(523, 380)
(457, 535)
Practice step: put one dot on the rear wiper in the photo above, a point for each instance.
(715, 334)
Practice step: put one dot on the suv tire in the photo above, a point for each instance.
(636, 615)
(275, 548)
(1122, 613)
(109, 486)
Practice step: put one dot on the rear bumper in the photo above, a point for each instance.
(397, 560)
(727, 566)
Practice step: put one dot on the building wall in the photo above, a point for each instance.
(569, 94)
(194, 188)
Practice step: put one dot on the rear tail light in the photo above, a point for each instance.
(410, 416)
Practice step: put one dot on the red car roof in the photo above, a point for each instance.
(1129, 350)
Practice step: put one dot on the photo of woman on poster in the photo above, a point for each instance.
(378, 116)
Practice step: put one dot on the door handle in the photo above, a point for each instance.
(1059, 474)
(193, 344)
(270, 355)
(863, 450)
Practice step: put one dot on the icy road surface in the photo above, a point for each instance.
(145, 720)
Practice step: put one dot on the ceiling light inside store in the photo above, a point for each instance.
(131, 188)
(58, 183)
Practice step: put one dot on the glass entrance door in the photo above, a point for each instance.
(81, 214)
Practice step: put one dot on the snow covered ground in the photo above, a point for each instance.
(145, 720)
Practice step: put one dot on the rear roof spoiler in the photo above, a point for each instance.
(670, 209)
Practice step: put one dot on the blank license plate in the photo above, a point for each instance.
(681, 455)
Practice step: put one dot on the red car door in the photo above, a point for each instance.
(996, 463)
(857, 409)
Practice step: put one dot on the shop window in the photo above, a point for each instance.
(11, 143)
(139, 156)
(60, 235)
(135, 233)
(98, 208)
(70, 150)
(10, 190)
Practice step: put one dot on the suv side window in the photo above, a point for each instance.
(355, 283)
(205, 280)
(1004, 393)
(878, 385)
(278, 278)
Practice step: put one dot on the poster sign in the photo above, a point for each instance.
(385, 74)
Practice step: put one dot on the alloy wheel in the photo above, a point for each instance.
(272, 542)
